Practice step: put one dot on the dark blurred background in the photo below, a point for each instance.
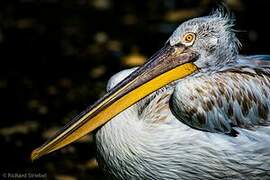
(56, 57)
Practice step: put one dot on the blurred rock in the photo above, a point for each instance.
(182, 14)
(114, 45)
(64, 177)
(43, 110)
(101, 37)
(50, 132)
(134, 58)
(100, 4)
(91, 164)
(235, 5)
(23, 128)
(97, 72)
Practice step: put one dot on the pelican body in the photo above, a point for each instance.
(196, 110)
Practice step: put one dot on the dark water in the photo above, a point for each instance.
(57, 56)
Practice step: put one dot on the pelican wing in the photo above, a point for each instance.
(238, 95)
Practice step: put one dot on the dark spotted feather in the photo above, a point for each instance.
(237, 95)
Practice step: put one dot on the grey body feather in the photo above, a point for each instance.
(211, 125)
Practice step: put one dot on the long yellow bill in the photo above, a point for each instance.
(167, 65)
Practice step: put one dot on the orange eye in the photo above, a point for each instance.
(189, 37)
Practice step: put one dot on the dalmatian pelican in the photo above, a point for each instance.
(196, 110)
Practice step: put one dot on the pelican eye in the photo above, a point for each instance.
(188, 38)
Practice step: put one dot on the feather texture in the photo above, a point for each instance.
(236, 95)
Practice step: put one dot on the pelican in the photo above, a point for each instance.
(196, 110)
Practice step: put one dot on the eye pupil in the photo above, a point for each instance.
(189, 37)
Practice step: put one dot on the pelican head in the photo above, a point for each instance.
(211, 37)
